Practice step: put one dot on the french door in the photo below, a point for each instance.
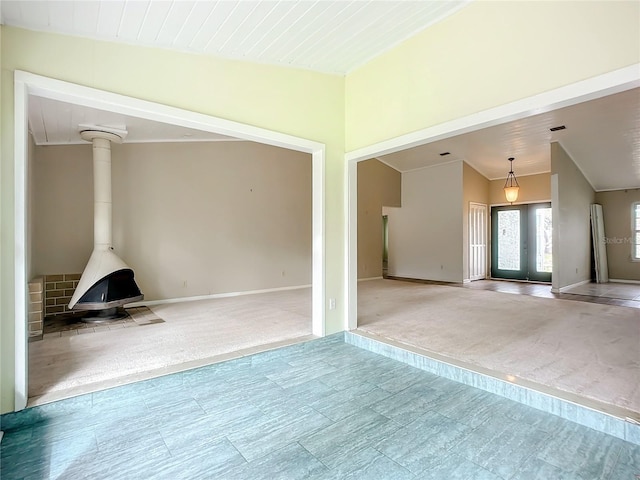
(521, 242)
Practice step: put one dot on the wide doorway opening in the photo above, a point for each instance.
(302, 279)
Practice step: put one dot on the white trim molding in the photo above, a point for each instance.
(606, 84)
(21, 293)
(619, 280)
(214, 296)
(26, 84)
(573, 285)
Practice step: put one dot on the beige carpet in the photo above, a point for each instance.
(583, 348)
(192, 332)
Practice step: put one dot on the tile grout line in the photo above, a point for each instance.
(364, 464)
(521, 394)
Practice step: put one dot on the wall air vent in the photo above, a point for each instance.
(555, 129)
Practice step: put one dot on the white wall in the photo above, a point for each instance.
(572, 196)
(189, 218)
(425, 234)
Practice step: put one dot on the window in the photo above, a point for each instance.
(635, 231)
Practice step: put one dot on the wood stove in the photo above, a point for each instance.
(107, 282)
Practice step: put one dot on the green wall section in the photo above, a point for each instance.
(489, 53)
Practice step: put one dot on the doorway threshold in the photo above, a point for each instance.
(600, 416)
(159, 372)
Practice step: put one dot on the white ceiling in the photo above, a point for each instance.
(603, 136)
(56, 123)
(326, 36)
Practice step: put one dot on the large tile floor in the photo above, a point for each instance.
(619, 294)
(321, 409)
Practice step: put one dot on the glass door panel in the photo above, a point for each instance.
(541, 265)
(509, 242)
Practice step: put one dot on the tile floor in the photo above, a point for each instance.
(621, 291)
(620, 294)
(321, 409)
(71, 324)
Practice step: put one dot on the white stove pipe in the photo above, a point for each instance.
(101, 192)
(102, 261)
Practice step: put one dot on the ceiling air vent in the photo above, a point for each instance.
(555, 129)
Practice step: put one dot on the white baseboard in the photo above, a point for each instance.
(615, 280)
(369, 279)
(214, 295)
(573, 285)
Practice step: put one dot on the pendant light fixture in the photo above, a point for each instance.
(511, 186)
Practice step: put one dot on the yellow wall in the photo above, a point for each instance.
(6, 326)
(533, 188)
(295, 102)
(487, 54)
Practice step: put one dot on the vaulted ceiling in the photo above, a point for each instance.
(603, 135)
(323, 35)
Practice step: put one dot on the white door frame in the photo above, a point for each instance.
(26, 84)
(473, 227)
(590, 89)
